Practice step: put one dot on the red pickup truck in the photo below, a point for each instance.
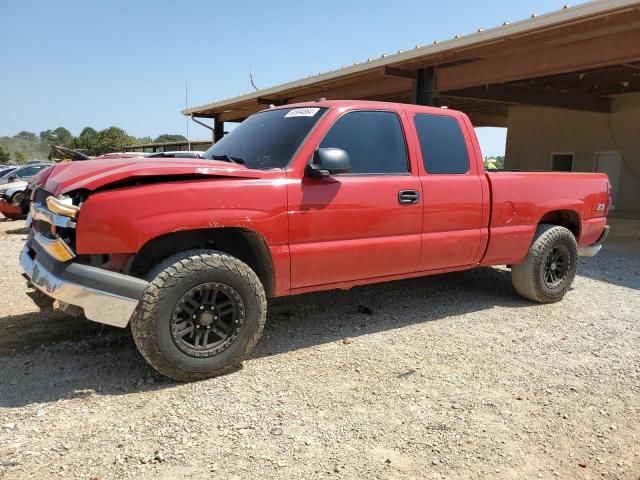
(299, 198)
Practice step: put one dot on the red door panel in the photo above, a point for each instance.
(453, 215)
(352, 227)
(454, 231)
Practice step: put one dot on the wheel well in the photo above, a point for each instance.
(243, 244)
(564, 218)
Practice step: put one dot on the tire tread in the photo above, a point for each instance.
(524, 276)
(166, 276)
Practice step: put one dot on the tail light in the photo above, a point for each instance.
(609, 199)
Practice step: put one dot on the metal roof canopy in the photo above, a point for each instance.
(540, 61)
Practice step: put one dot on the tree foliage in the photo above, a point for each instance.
(24, 135)
(26, 142)
(4, 155)
(19, 157)
(87, 141)
(113, 139)
(167, 137)
(494, 163)
(90, 141)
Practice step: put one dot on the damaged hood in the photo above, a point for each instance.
(94, 174)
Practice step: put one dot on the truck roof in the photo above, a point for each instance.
(371, 104)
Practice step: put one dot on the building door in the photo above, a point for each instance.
(609, 163)
(562, 162)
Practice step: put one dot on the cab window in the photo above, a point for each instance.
(374, 141)
(442, 144)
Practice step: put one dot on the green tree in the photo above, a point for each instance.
(4, 155)
(20, 157)
(29, 136)
(168, 137)
(87, 141)
(63, 136)
(47, 137)
(112, 139)
(59, 136)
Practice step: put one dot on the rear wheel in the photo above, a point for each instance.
(201, 315)
(550, 267)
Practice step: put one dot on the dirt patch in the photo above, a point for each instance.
(444, 377)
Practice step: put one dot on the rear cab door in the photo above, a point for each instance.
(358, 225)
(455, 189)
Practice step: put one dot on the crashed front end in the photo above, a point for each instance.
(52, 266)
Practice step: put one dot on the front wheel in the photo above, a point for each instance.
(550, 267)
(201, 315)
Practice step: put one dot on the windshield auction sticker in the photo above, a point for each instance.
(302, 112)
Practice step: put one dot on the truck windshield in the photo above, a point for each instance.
(267, 139)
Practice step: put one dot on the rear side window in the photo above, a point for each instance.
(443, 147)
(373, 140)
(28, 171)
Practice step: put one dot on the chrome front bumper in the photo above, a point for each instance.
(113, 304)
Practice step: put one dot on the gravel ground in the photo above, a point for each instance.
(450, 377)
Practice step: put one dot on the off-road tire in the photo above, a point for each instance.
(151, 324)
(528, 278)
(13, 199)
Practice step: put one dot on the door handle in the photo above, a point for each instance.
(408, 197)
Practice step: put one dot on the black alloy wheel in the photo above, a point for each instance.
(549, 268)
(556, 266)
(200, 316)
(207, 319)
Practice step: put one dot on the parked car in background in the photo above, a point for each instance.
(179, 154)
(15, 195)
(10, 199)
(23, 172)
(298, 198)
(5, 169)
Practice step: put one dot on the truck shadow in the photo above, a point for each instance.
(616, 264)
(52, 357)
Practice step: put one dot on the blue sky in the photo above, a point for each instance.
(77, 63)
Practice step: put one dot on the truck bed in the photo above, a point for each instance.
(519, 199)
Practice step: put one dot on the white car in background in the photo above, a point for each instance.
(8, 191)
(14, 201)
(22, 173)
(5, 169)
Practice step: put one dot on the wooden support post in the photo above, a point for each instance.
(422, 92)
(218, 130)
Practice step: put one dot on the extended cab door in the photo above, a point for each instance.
(363, 224)
(455, 192)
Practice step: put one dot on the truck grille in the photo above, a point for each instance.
(40, 195)
(39, 224)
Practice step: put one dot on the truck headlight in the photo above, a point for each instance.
(63, 206)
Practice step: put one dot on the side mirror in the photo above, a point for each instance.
(329, 161)
(12, 178)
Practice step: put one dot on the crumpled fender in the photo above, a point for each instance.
(99, 174)
(122, 220)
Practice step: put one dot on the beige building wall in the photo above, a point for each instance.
(534, 133)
